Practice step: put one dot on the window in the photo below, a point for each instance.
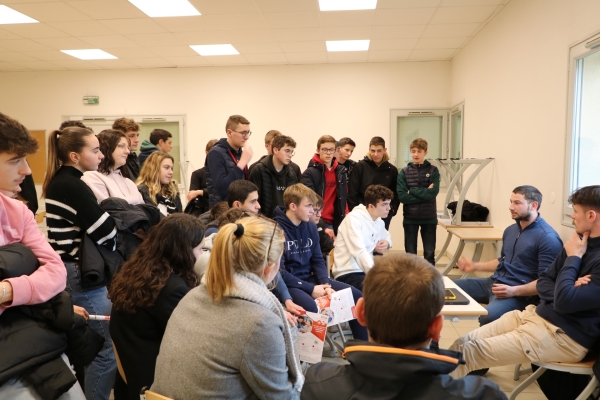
(583, 126)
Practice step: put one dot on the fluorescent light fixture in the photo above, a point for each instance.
(348, 45)
(10, 16)
(340, 5)
(215, 49)
(90, 54)
(166, 8)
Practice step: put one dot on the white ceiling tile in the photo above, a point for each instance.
(299, 34)
(22, 45)
(450, 30)
(131, 52)
(404, 16)
(150, 62)
(347, 33)
(11, 56)
(347, 18)
(207, 37)
(268, 58)
(392, 44)
(461, 3)
(133, 26)
(83, 28)
(196, 61)
(49, 55)
(40, 65)
(155, 39)
(4, 66)
(5, 35)
(257, 48)
(107, 9)
(227, 60)
(301, 47)
(247, 36)
(34, 31)
(307, 58)
(347, 56)
(210, 7)
(233, 22)
(407, 3)
(173, 51)
(388, 55)
(76, 64)
(186, 24)
(267, 6)
(399, 32)
(113, 64)
(432, 54)
(461, 15)
(109, 41)
(51, 12)
(67, 43)
(440, 43)
(292, 20)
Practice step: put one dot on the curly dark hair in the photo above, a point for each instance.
(109, 139)
(15, 138)
(168, 249)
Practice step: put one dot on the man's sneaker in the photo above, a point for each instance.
(479, 372)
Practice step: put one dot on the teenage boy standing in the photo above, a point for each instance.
(327, 178)
(160, 140)
(374, 169)
(360, 234)
(132, 131)
(418, 186)
(344, 149)
(272, 175)
(228, 160)
(272, 134)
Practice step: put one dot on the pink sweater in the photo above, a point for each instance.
(112, 185)
(17, 225)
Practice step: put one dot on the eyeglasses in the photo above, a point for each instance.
(122, 146)
(289, 152)
(272, 236)
(317, 211)
(246, 133)
(328, 151)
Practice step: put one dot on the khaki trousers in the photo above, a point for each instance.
(518, 337)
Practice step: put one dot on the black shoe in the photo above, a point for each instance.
(479, 372)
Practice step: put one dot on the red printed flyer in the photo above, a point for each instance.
(312, 329)
(340, 308)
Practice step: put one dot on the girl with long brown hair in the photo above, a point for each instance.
(156, 183)
(146, 291)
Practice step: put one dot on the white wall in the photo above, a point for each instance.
(513, 77)
(303, 101)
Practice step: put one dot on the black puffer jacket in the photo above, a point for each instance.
(265, 177)
(384, 372)
(314, 177)
(367, 172)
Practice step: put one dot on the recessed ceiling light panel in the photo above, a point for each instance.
(166, 8)
(340, 5)
(348, 45)
(10, 16)
(90, 54)
(215, 49)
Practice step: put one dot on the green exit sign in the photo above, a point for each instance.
(91, 100)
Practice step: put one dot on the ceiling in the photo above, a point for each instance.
(263, 31)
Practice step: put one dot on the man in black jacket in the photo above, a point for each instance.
(198, 188)
(272, 175)
(343, 151)
(402, 300)
(272, 134)
(132, 131)
(374, 169)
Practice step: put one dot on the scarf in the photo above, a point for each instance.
(248, 286)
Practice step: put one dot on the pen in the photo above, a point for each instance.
(99, 317)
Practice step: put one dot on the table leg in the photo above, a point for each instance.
(457, 254)
(478, 251)
(444, 248)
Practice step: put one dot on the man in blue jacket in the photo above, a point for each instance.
(228, 160)
(302, 265)
(528, 248)
(566, 323)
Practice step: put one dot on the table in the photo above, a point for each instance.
(447, 223)
(469, 311)
(473, 235)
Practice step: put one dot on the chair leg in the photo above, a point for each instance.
(518, 372)
(588, 389)
(526, 382)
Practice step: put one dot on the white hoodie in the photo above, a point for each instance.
(357, 237)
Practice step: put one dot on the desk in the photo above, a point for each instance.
(470, 311)
(473, 235)
(447, 223)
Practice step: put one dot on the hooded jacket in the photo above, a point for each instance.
(356, 240)
(221, 170)
(366, 172)
(314, 178)
(293, 166)
(302, 254)
(146, 149)
(271, 184)
(385, 372)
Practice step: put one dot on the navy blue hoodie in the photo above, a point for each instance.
(302, 256)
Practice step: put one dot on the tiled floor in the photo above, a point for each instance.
(503, 376)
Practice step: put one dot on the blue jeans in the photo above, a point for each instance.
(411, 232)
(306, 301)
(480, 289)
(100, 374)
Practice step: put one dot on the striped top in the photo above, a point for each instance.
(71, 211)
